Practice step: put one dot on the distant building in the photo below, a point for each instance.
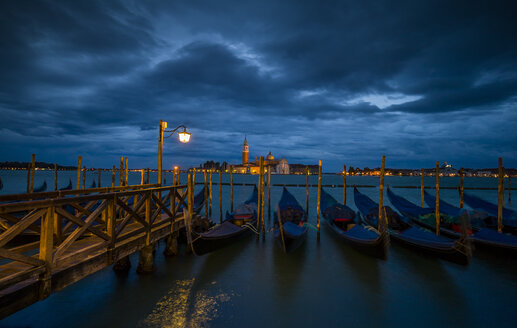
(270, 163)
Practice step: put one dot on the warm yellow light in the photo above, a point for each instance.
(184, 136)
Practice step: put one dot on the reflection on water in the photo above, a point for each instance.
(185, 307)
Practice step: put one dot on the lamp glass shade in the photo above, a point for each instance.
(184, 136)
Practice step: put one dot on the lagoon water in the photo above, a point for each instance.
(253, 284)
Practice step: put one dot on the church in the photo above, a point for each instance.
(270, 163)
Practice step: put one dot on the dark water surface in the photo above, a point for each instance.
(253, 284)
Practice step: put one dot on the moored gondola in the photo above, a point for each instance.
(509, 216)
(403, 232)
(342, 220)
(290, 227)
(483, 232)
(240, 223)
(41, 188)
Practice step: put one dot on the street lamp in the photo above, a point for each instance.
(183, 137)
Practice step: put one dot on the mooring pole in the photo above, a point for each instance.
(55, 177)
(179, 176)
(259, 202)
(220, 197)
(437, 206)
(206, 194)
(422, 187)
(147, 176)
(121, 171)
(33, 168)
(28, 178)
(79, 163)
(269, 193)
(141, 176)
(380, 217)
(344, 184)
(509, 189)
(210, 194)
(462, 187)
(500, 198)
(307, 190)
(162, 127)
(126, 179)
(263, 194)
(318, 204)
(113, 176)
(99, 179)
(231, 188)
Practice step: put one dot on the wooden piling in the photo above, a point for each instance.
(263, 194)
(318, 203)
(344, 184)
(190, 192)
(178, 179)
(28, 178)
(126, 179)
(231, 188)
(99, 178)
(437, 206)
(84, 177)
(307, 189)
(422, 187)
(79, 165)
(55, 177)
(206, 193)
(210, 195)
(121, 172)
(462, 186)
(220, 197)
(33, 168)
(147, 177)
(259, 201)
(380, 218)
(509, 189)
(141, 176)
(269, 192)
(113, 176)
(500, 197)
(160, 149)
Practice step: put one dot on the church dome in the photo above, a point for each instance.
(270, 157)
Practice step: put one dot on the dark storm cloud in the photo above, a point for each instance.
(341, 80)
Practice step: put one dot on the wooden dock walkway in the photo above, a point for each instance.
(51, 240)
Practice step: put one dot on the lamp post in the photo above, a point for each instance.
(183, 137)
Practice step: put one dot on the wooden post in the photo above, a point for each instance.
(174, 177)
(146, 261)
(307, 189)
(210, 195)
(380, 217)
(99, 178)
(500, 197)
(422, 187)
(319, 197)
(126, 174)
(84, 177)
(162, 127)
(206, 193)
(437, 206)
(141, 176)
(509, 189)
(220, 197)
(231, 188)
(121, 172)
(28, 178)
(33, 167)
(344, 184)
(147, 177)
(259, 202)
(55, 177)
(268, 192)
(79, 163)
(281, 228)
(462, 181)
(262, 198)
(45, 251)
(190, 192)
(113, 176)
(178, 180)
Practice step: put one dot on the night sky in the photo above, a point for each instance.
(343, 81)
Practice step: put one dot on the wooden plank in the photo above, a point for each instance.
(46, 237)
(80, 223)
(4, 253)
(19, 227)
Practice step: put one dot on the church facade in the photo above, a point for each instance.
(270, 163)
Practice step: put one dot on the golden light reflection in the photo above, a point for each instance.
(182, 307)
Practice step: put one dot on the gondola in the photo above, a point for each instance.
(69, 187)
(484, 233)
(93, 185)
(290, 220)
(509, 216)
(342, 220)
(240, 223)
(402, 231)
(41, 188)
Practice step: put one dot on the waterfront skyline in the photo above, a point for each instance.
(343, 82)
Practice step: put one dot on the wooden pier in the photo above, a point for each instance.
(53, 239)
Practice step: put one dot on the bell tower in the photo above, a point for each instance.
(245, 152)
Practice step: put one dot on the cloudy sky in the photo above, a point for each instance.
(341, 81)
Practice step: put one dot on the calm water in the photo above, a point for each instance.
(253, 284)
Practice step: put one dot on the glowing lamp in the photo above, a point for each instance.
(184, 136)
